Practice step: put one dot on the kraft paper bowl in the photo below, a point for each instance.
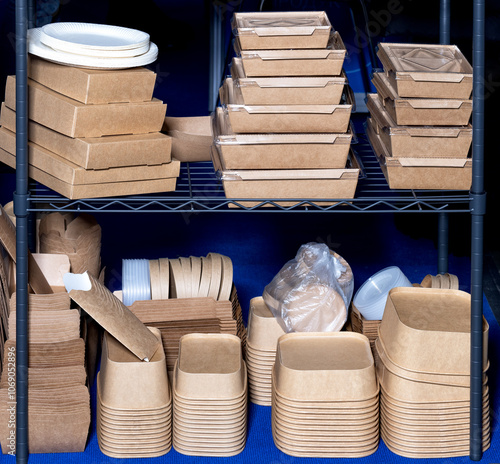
(428, 330)
(210, 366)
(309, 364)
(263, 328)
(125, 382)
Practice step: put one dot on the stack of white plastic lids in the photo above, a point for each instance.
(136, 280)
(371, 297)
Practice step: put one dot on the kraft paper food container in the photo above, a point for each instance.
(104, 189)
(75, 119)
(282, 184)
(418, 141)
(435, 326)
(426, 70)
(191, 137)
(281, 30)
(408, 390)
(124, 379)
(97, 152)
(263, 328)
(421, 111)
(108, 311)
(265, 151)
(303, 371)
(210, 366)
(68, 172)
(421, 173)
(441, 379)
(319, 90)
(94, 86)
(327, 61)
(53, 267)
(262, 119)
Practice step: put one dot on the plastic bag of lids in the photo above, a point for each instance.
(311, 293)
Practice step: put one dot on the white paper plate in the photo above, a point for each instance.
(36, 47)
(68, 36)
(94, 53)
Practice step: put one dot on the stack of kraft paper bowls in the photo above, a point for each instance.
(134, 403)
(325, 395)
(263, 334)
(210, 396)
(423, 366)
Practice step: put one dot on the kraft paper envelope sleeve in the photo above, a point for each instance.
(107, 310)
(37, 280)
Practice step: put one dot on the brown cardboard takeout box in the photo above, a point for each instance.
(94, 86)
(282, 118)
(303, 90)
(426, 71)
(421, 111)
(75, 119)
(294, 62)
(104, 189)
(279, 184)
(421, 173)
(152, 148)
(191, 137)
(281, 30)
(278, 151)
(418, 141)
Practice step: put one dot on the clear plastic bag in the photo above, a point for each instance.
(311, 293)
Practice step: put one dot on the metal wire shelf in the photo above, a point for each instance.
(198, 189)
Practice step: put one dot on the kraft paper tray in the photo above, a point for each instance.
(426, 71)
(294, 62)
(278, 151)
(281, 30)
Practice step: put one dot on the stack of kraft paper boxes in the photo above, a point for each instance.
(92, 132)
(283, 129)
(419, 117)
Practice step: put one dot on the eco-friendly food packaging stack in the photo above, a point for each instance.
(92, 132)
(423, 367)
(134, 401)
(263, 334)
(325, 400)
(210, 396)
(183, 295)
(131, 396)
(283, 127)
(59, 400)
(419, 117)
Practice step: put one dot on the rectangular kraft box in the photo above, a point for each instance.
(278, 151)
(319, 90)
(281, 30)
(327, 61)
(191, 137)
(97, 152)
(421, 111)
(280, 184)
(70, 173)
(426, 71)
(94, 86)
(421, 173)
(107, 189)
(75, 119)
(418, 141)
(283, 118)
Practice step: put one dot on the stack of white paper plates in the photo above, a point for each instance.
(92, 45)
